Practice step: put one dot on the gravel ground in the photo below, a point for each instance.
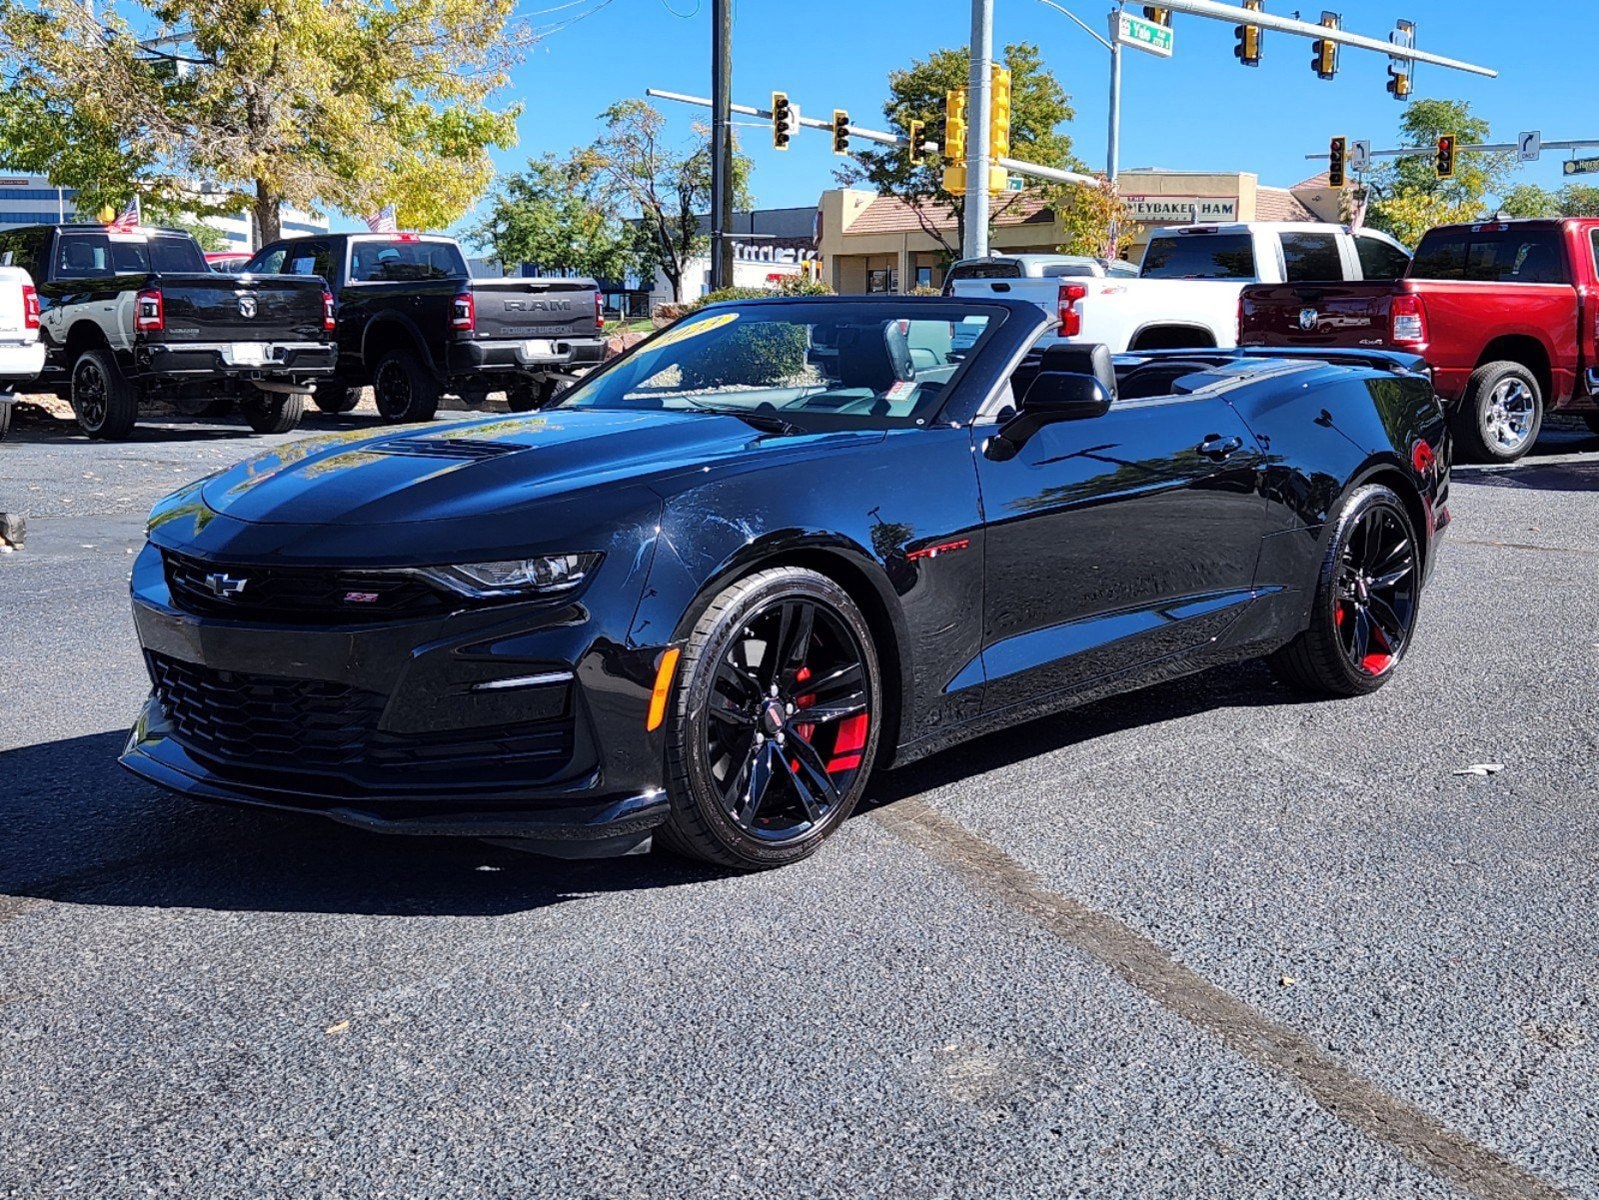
(1073, 989)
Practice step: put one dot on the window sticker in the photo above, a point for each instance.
(684, 332)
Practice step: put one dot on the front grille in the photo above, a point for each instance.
(299, 595)
(271, 723)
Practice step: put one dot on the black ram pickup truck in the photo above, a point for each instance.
(133, 316)
(413, 323)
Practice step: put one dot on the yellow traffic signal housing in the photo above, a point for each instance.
(955, 180)
(1446, 156)
(999, 114)
(1324, 51)
(1158, 14)
(1337, 162)
(1249, 37)
(955, 126)
(840, 131)
(1398, 83)
(784, 121)
(914, 131)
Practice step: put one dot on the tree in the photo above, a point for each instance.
(1529, 200)
(553, 216)
(314, 103)
(1411, 199)
(1087, 216)
(667, 188)
(1578, 200)
(1039, 105)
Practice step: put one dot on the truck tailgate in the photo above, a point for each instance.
(1350, 315)
(240, 308)
(11, 316)
(509, 309)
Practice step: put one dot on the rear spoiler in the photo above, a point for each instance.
(1394, 361)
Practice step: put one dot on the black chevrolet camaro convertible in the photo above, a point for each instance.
(777, 546)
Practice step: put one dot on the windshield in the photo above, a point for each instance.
(1201, 256)
(811, 365)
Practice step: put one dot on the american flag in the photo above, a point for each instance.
(383, 221)
(128, 221)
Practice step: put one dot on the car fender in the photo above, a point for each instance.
(383, 324)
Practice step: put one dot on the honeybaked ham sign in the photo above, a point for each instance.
(1174, 210)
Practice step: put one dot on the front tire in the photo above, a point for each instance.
(776, 719)
(5, 418)
(526, 397)
(1367, 597)
(404, 389)
(105, 403)
(1500, 415)
(272, 413)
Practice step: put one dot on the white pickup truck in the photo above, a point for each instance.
(1186, 293)
(21, 352)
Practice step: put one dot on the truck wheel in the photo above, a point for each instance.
(1499, 417)
(5, 419)
(1364, 611)
(335, 398)
(106, 404)
(220, 407)
(272, 413)
(404, 389)
(525, 397)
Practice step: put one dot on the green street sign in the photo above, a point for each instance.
(1581, 166)
(1140, 34)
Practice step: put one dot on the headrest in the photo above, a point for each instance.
(874, 357)
(1092, 358)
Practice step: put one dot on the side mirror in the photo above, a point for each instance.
(1052, 396)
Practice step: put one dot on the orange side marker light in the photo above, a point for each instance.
(663, 688)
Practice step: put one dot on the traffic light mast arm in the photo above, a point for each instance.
(1014, 165)
(1235, 15)
(1479, 148)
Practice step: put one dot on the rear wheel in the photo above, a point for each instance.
(1499, 417)
(272, 413)
(404, 389)
(335, 398)
(5, 417)
(106, 404)
(775, 726)
(1367, 595)
(219, 407)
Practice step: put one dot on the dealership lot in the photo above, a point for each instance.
(1199, 940)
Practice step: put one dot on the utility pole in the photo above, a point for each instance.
(721, 144)
(979, 110)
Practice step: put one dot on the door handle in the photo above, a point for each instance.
(1218, 448)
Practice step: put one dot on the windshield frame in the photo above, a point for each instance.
(811, 310)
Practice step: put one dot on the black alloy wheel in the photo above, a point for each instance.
(403, 389)
(103, 400)
(1366, 601)
(777, 722)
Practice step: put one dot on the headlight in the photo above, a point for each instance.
(516, 576)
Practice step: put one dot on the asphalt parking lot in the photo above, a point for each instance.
(1203, 940)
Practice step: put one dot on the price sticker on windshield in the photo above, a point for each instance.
(683, 332)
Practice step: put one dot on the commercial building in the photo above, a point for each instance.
(768, 244)
(872, 243)
(34, 200)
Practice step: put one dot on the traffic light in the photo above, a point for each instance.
(1446, 156)
(1337, 162)
(955, 125)
(913, 130)
(840, 131)
(999, 113)
(1157, 14)
(784, 120)
(1248, 48)
(1398, 82)
(1324, 51)
(954, 144)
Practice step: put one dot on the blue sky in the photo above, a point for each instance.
(1200, 110)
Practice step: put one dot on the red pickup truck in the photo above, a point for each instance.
(1505, 312)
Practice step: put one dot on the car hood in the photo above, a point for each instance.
(474, 468)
